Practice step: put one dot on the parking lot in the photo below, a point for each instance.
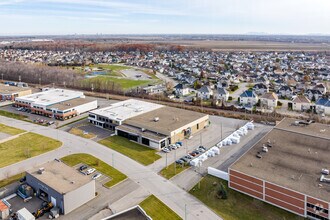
(135, 74)
(102, 179)
(44, 120)
(219, 128)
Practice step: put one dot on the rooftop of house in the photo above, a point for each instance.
(249, 93)
(301, 99)
(269, 95)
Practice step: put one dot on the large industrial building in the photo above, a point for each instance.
(61, 185)
(9, 93)
(150, 124)
(61, 104)
(288, 168)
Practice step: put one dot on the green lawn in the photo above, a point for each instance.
(107, 81)
(237, 206)
(99, 165)
(25, 146)
(11, 179)
(156, 209)
(10, 130)
(169, 172)
(142, 154)
(13, 115)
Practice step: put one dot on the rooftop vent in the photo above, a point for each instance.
(156, 119)
(143, 129)
(325, 172)
(41, 170)
(72, 182)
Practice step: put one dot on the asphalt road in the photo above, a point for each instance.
(172, 195)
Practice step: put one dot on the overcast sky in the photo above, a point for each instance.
(164, 17)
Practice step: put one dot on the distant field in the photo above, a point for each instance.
(25, 146)
(10, 130)
(124, 84)
(115, 175)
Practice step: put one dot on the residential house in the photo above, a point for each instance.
(260, 88)
(300, 103)
(181, 90)
(269, 100)
(285, 91)
(320, 87)
(322, 106)
(248, 97)
(313, 94)
(222, 94)
(156, 89)
(205, 92)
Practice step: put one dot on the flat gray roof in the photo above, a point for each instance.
(71, 103)
(11, 89)
(294, 161)
(170, 119)
(121, 111)
(60, 177)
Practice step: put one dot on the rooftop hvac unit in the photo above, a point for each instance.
(156, 119)
(41, 170)
(325, 172)
(143, 129)
(324, 179)
(264, 149)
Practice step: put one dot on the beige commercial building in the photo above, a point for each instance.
(9, 93)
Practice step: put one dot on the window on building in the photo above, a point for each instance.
(145, 141)
(197, 126)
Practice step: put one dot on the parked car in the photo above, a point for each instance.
(202, 147)
(179, 143)
(173, 147)
(189, 156)
(83, 167)
(179, 161)
(96, 176)
(51, 122)
(90, 171)
(165, 150)
(184, 159)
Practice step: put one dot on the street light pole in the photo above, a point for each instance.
(174, 162)
(185, 211)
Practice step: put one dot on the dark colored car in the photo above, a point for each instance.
(83, 167)
(179, 162)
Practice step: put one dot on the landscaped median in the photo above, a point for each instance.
(12, 179)
(141, 154)
(115, 175)
(10, 130)
(13, 115)
(156, 209)
(171, 171)
(25, 146)
(237, 205)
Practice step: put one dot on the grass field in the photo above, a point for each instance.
(10, 130)
(124, 83)
(99, 165)
(142, 154)
(237, 206)
(80, 133)
(11, 179)
(25, 146)
(13, 115)
(156, 209)
(169, 172)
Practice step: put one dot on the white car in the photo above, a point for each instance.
(96, 176)
(90, 171)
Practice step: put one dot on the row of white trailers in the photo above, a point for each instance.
(234, 138)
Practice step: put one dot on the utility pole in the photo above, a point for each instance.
(19, 78)
(166, 160)
(185, 211)
(2, 76)
(221, 130)
(174, 162)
